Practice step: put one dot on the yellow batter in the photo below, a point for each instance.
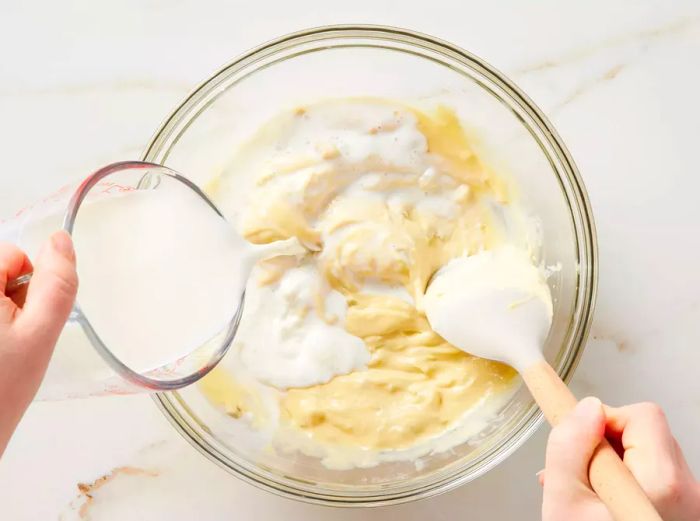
(416, 386)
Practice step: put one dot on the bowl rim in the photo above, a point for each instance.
(586, 244)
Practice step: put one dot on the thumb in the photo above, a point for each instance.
(572, 443)
(51, 292)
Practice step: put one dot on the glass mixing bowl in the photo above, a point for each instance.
(512, 136)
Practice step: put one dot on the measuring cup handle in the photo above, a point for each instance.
(15, 284)
(21, 283)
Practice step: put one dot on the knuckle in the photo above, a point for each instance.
(559, 437)
(668, 490)
(66, 284)
(652, 410)
(8, 250)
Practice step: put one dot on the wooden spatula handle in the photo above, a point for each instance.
(609, 477)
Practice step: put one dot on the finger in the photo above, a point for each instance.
(51, 292)
(572, 443)
(13, 263)
(639, 425)
(651, 452)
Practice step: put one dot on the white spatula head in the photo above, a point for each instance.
(494, 304)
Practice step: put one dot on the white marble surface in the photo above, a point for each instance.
(84, 83)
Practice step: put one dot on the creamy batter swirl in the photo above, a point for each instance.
(382, 195)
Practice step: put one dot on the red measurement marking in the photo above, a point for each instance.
(109, 187)
(103, 187)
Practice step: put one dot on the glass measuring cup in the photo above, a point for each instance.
(83, 364)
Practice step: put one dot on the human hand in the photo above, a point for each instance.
(642, 435)
(31, 323)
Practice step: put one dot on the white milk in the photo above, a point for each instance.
(160, 274)
(285, 343)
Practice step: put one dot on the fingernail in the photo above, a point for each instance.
(588, 407)
(62, 244)
(540, 477)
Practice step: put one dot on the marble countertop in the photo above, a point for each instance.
(85, 83)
